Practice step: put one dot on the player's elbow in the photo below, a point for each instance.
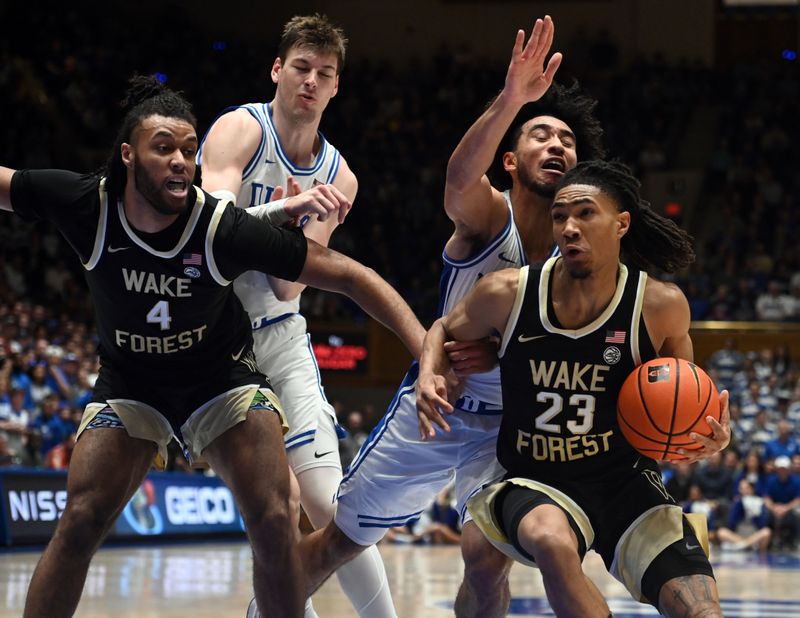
(457, 180)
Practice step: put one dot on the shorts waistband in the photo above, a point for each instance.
(266, 321)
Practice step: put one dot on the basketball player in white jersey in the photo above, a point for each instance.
(252, 151)
(396, 475)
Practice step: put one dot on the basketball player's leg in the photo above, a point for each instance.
(484, 590)
(542, 530)
(319, 473)
(106, 468)
(250, 459)
(682, 580)
(394, 477)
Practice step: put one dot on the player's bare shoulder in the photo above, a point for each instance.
(498, 286)
(665, 308)
(235, 134)
(346, 180)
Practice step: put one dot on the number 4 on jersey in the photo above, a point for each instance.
(159, 314)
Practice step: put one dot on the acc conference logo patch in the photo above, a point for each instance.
(612, 355)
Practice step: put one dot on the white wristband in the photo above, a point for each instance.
(224, 194)
(274, 212)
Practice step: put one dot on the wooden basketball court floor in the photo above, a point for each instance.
(213, 579)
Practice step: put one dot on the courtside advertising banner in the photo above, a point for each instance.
(165, 504)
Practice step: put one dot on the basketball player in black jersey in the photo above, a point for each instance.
(175, 343)
(572, 330)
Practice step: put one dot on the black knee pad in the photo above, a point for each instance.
(682, 558)
(514, 502)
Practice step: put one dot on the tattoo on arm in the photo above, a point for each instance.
(691, 596)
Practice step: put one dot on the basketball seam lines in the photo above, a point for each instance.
(674, 404)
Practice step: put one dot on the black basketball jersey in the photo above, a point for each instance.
(560, 386)
(164, 315)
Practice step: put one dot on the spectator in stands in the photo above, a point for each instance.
(680, 481)
(698, 503)
(48, 424)
(753, 472)
(727, 361)
(747, 522)
(6, 458)
(356, 436)
(782, 498)
(715, 482)
(14, 419)
(58, 457)
(771, 305)
(760, 432)
(784, 445)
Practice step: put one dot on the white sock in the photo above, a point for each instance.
(363, 579)
(308, 610)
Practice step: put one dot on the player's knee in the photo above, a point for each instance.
(83, 524)
(545, 543)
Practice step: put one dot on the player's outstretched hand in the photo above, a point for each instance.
(528, 78)
(431, 402)
(322, 200)
(720, 438)
(467, 357)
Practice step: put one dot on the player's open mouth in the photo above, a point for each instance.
(177, 186)
(554, 165)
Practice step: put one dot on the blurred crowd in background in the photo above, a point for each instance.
(397, 126)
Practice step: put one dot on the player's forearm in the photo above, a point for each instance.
(434, 359)
(384, 304)
(5, 188)
(475, 152)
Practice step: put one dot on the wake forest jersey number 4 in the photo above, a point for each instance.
(164, 305)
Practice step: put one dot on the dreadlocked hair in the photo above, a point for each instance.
(651, 240)
(145, 97)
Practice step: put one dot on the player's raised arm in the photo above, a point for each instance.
(470, 201)
(5, 188)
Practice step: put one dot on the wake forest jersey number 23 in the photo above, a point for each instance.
(164, 305)
(560, 386)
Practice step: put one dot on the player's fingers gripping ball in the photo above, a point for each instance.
(661, 402)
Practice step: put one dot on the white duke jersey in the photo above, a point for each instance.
(482, 394)
(271, 167)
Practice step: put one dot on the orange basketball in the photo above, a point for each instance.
(662, 402)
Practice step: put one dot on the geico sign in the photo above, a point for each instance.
(43, 505)
(199, 505)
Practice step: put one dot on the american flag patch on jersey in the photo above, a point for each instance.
(193, 259)
(615, 336)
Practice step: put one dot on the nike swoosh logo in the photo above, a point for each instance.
(318, 455)
(236, 356)
(503, 257)
(524, 339)
(691, 547)
(115, 249)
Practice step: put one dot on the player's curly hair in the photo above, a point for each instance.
(315, 32)
(570, 105)
(651, 240)
(145, 97)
